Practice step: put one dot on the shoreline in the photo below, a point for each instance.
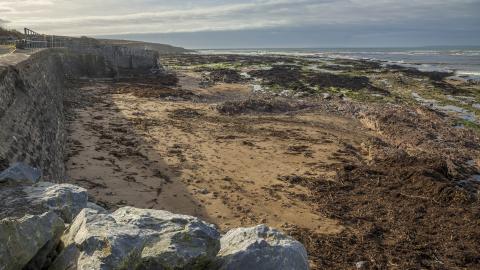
(382, 55)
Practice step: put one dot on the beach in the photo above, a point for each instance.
(362, 161)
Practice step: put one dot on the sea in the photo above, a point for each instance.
(464, 62)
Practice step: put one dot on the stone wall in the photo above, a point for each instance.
(31, 100)
(124, 60)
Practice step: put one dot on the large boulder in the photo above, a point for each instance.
(64, 199)
(28, 240)
(132, 238)
(261, 248)
(32, 220)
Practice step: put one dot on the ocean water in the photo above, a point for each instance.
(464, 62)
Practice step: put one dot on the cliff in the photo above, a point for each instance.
(160, 48)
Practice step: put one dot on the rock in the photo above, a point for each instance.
(301, 95)
(32, 221)
(28, 239)
(20, 172)
(203, 191)
(96, 207)
(286, 93)
(64, 199)
(260, 248)
(361, 265)
(140, 238)
(326, 96)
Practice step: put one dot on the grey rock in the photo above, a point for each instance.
(260, 248)
(286, 93)
(32, 221)
(96, 207)
(28, 239)
(63, 199)
(20, 172)
(132, 238)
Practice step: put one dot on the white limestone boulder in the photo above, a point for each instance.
(132, 238)
(261, 248)
(64, 199)
(32, 220)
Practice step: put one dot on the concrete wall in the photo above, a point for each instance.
(125, 60)
(31, 102)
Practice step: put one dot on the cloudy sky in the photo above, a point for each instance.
(256, 23)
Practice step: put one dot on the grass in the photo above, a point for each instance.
(468, 124)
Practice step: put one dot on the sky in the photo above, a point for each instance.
(255, 23)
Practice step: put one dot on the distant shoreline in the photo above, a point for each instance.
(463, 61)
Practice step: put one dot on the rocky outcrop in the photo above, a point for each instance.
(260, 248)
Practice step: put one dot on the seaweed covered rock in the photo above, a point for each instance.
(432, 75)
(262, 105)
(224, 75)
(286, 76)
(326, 80)
(261, 248)
(134, 238)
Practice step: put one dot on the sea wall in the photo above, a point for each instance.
(123, 60)
(32, 126)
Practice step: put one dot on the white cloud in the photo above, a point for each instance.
(93, 17)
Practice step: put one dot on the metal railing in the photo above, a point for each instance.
(34, 40)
